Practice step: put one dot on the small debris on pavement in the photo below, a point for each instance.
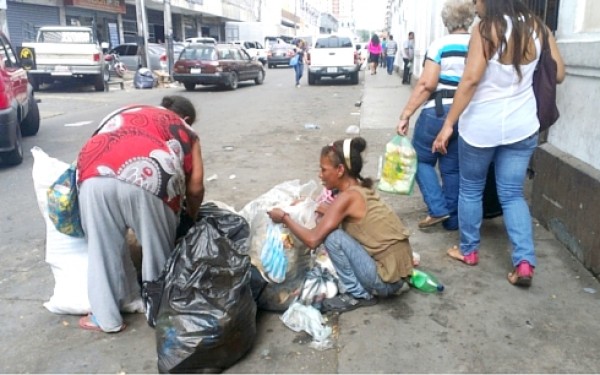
(227, 148)
(589, 290)
(212, 178)
(352, 129)
(231, 176)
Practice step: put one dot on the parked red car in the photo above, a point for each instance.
(221, 64)
(19, 113)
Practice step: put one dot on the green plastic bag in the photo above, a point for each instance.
(399, 167)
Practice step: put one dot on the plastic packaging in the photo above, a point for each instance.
(144, 79)
(399, 167)
(425, 282)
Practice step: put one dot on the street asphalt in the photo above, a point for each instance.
(479, 324)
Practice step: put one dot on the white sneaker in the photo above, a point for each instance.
(298, 85)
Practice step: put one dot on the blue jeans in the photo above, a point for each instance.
(511, 162)
(441, 200)
(356, 269)
(299, 69)
(390, 63)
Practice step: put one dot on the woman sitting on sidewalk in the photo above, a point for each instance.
(444, 65)
(371, 252)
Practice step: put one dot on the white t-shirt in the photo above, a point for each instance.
(503, 109)
(409, 45)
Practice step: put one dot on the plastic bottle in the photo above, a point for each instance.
(425, 282)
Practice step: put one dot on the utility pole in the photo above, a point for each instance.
(169, 36)
(142, 33)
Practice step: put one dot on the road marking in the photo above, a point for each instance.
(80, 123)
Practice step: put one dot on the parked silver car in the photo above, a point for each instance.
(128, 55)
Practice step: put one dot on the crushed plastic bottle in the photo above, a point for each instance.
(425, 282)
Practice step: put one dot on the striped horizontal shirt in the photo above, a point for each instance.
(449, 52)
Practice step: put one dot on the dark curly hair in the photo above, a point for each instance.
(335, 153)
(180, 105)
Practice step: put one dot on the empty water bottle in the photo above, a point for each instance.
(425, 282)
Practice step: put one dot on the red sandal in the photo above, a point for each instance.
(470, 259)
(522, 274)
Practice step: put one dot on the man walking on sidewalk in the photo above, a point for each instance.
(390, 54)
(408, 55)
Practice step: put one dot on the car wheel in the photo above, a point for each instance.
(260, 78)
(233, 81)
(31, 123)
(15, 156)
(99, 82)
(354, 78)
(34, 83)
(106, 73)
(189, 86)
(311, 79)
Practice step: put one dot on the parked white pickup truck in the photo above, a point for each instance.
(333, 56)
(65, 53)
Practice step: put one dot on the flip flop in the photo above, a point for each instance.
(89, 323)
(471, 259)
(345, 302)
(430, 221)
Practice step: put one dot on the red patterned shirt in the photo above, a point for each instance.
(149, 147)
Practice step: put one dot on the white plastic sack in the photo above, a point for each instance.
(66, 255)
(299, 201)
(299, 317)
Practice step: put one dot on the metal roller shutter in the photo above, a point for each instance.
(24, 20)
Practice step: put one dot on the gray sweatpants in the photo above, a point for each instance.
(108, 208)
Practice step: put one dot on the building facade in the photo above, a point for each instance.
(115, 21)
(566, 180)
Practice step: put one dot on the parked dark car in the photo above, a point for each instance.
(19, 113)
(280, 54)
(220, 64)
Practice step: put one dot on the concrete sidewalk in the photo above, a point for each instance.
(481, 323)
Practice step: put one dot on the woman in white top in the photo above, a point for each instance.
(499, 124)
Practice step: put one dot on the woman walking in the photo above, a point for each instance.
(374, 53)
(498, 123)
(444, 65)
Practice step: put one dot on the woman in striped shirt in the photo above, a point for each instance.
(443, 68)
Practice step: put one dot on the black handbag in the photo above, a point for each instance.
(544, 86)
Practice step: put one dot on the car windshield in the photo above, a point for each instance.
(334, 42)
(199, 53)
(281, 47)
(65, 37)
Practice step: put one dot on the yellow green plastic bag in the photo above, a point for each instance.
(399, 167)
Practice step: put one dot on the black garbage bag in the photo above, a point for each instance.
(144, 79)
(206, 320)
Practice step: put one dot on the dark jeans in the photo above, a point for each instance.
(406, 76)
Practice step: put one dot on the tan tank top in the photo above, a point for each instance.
(383, 236)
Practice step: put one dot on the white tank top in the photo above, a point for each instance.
(503, 109)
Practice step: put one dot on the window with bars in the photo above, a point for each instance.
(547, 10)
